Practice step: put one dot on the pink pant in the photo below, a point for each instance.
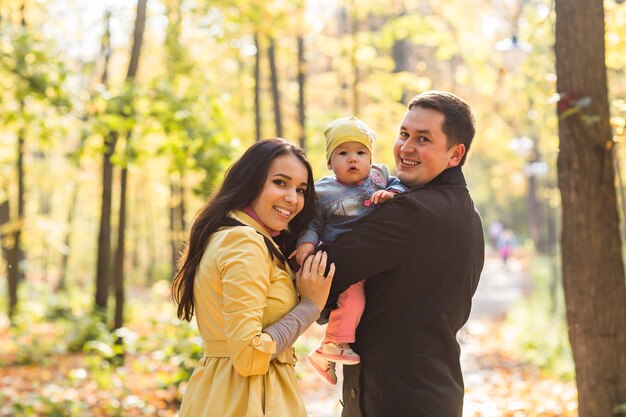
(343, 320)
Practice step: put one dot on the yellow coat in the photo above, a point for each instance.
(238, 291)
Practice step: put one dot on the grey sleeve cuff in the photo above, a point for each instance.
(309, 236)
(286, 330)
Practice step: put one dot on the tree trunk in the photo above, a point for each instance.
(301, 96)
(5, 217)
(140, 23)
(534, 212)
(104, 235)
(271, 54)
(15, 255)
(356, 76)
(400, 51)
(173, 47)
(150, 240)
(46, 190)
(105, 48)
(620, 188)
(6, 241)
(173, 234)
(21, 148)
(13, 278)
(118, 267)
(68, 239)
(593, 270)
(257, 89)
(177, 220)
(103, 271)
(118, 273)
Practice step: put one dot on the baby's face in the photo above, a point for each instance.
(351, 162)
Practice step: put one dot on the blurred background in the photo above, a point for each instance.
(118, 119)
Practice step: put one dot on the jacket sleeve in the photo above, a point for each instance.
(245, 267)
(394, 184)
(315, 228)
(375, 245)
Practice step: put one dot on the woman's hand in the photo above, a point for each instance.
(311, 281)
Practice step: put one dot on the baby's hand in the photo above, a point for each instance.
(381, 196)
(302, 252)
(312, 281)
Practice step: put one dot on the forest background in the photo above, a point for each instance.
(118, 119)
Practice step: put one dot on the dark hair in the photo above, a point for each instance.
(243, 182)
(458, 123)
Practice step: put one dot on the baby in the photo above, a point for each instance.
(343, 199)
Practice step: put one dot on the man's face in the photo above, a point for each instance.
(421, 150)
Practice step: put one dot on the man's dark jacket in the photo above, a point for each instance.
(422, 254)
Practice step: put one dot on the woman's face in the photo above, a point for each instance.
(282, 195)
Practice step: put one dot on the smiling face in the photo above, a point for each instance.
(282, 195)
(351, 162)
(421, 150)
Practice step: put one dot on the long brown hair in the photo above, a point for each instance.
(243, 182)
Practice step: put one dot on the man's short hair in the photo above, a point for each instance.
(459, 125)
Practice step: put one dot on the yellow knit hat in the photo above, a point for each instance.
(347, 129)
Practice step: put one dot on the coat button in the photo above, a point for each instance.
(256, 341)
(353, 393)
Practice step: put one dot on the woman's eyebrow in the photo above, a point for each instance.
(287, 177)
(282, 175)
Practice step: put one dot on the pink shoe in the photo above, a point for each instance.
(340, 353)
(324, 368)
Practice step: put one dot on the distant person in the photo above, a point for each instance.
(343, 199)
(421, 254)
(235, 279)
(505, 243)
(495, 229)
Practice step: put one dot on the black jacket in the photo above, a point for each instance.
(422, 254)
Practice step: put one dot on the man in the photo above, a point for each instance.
(422, 253)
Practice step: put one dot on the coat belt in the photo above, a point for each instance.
(219, 349)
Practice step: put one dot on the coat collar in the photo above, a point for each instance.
(449, 176)
(248, 220)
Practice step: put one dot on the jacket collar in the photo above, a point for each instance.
(248, 220)
(449, 176)
(250, 212)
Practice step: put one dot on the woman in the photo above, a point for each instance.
(234, 277)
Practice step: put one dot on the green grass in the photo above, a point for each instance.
(536, 326)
